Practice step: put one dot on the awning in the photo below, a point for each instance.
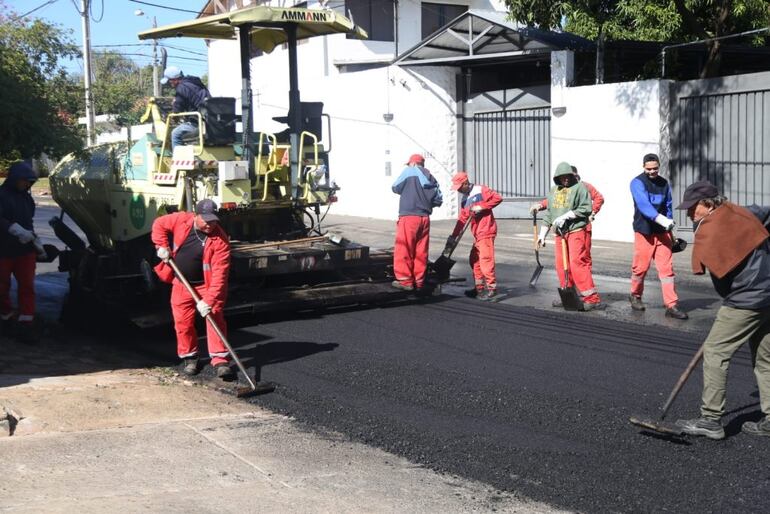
(268, 29)
(478, 35)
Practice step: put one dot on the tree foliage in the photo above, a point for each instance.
(648, 20)
(120, 87)
(39, 102)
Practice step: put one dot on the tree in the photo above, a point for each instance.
(648, 20)
(120, 85)
(39, 102)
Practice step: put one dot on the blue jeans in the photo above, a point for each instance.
(181, 131)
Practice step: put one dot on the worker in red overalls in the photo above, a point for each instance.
(419, 194)
(597, 200)
(201, 249)
(477, 204)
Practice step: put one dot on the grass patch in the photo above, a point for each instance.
(41, 186)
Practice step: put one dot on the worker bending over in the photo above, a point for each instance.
(477, 203)
(201, 250)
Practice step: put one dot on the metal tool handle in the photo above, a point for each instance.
(194, 294)
(682, 379)
(450, 250)
(534, 230)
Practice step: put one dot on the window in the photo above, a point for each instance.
(374, 16)
(435, 16)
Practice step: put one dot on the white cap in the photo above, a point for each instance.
(172, 72)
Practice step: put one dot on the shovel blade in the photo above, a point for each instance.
(535, 276)
(570, 299)
(656, 425)
(442, 266)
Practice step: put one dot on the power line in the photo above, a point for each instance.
(164, 6)
(17, 18)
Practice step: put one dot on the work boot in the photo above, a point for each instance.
(490, 295)
(403, 287)
(224, 371)
(473, 292)
(636, 303)
(674, 312)
(598, 306)
(757, 428)
(557, 304)
(190, 366)
(702, 426)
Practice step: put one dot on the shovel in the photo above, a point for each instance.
(539, 268)
(658, 425)
(240, 392)
(444, 263)
(570, 299)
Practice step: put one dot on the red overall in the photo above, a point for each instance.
(579, 261)
(484, 229)
(213, 291)
(657, 247)
(23, 268)
(410, 254)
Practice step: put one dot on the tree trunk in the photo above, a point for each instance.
(713, 62)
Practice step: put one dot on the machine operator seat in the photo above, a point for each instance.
(311, 121)
(219, 120)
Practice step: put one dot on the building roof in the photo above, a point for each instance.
(479, 35)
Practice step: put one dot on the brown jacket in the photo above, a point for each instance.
(724, 238)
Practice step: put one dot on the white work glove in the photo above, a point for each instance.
(22, 234)
(664, 222)
(561, 220)
(534, 208)
(203, 308)
(476, 209)
(38, 244)
(163, 253)
(543, 234)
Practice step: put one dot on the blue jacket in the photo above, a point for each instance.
(190, 94)
(651, 197)
(16, 207)
(419, 192)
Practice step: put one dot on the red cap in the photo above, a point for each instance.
(416, 158)
(458, 180)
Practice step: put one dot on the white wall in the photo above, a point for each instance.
(605, 132)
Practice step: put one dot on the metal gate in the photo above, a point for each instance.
(512, 151)
(721, 133)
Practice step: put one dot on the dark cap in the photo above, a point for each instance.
(696, 192)
(650, 157)
(207, 209)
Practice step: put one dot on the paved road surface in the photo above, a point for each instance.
(529, 400)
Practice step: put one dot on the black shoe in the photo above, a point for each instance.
(674, 312)
(757, 428)
(403, 287)
(190, 366)
(703, 427)
(557, 304)
(471, 293)
(636, 303)
(224, 371)
(598, 306)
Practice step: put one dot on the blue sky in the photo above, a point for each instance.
(119, 26)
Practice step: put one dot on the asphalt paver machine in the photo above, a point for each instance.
(273, 189)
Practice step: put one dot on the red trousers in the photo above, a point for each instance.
(410, 255)
(482, 260)
(647, 248)
(579, 262)
(23, 268)
(184, 311)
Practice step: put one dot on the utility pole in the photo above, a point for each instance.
(155, 70)
(91, 136)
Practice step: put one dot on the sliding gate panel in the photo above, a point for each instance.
(512, 151)
(723, 137)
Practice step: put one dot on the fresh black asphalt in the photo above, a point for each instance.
(526, 400)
